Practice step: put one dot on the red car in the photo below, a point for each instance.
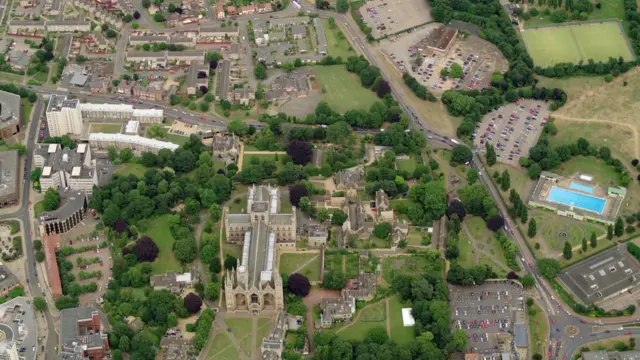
(201, 117)
(553, 321)
(628, 333)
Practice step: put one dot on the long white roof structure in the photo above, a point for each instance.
(133, 139)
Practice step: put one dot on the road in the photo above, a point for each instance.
(23, 214)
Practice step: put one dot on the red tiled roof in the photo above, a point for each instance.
(50, 244)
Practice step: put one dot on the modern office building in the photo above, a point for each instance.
(9, 114)
(139, 144)
(9, 189)
(63, 116)
(80, 335)
(66, 217)
(72, 169)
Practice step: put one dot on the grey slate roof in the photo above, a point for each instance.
(521, 336)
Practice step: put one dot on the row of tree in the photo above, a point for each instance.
(418, 89)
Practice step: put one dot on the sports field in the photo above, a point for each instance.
(552, 45)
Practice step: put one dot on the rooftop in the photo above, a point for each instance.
(60, 102)
(7, 279)
(72, 201)
(611, 355)
(133, 139)
(440, 38)
(67, 160)
(8, 172)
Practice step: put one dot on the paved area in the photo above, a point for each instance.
(387, 17)
(512, 129)
(485, 312)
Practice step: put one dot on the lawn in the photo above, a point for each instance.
(161, 234)
(176, 139)
(218, 164)
(467, 257)
(130, 168)
(518, 176)
(231, 249)
(538, 330)
(238, 205)
(285, 205)
(14, 78)
(370, 318)
(609, 10)
(552, 45)
(246, 160)
(222, 348)
(39, 208)
(241, 329)
(408, 165)
(339, 262)
(41, 77)
(602, 173)
(477, 227)
(26, 111)
(399, 333)
(290, 262)
(342, 90)
(336, 45)
(415, 236)
(401, 265)
(264, 325)
(106, 128)
(573, 86)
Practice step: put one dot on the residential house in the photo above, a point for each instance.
(186, 56)
(289, 21)
(247, 10)
(273, 343)
(336, 309)
(220, 11)
(147, 39)
(99, 86)
(218, 33)
(198, 76)
(322, 40)
(25, 26)
(399, 232)
(358, 223)
(174, 347)
(231, 10)
(384, 213)
(225, 144)
(362, 287)
(175, 282)
(244, 95)
(68, 25)
(299, 31)
(318, 235)
(265, 8)
(153, 91)
(352, 178)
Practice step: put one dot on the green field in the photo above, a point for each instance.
(602, 173)
(392, 266)
(176, 139)
(290, 262)
(161, 234)
(370, 318)
(342, 89)
(130, 168)
(399, 333)
(222, 348)
(610, 9)
(552, 45)
(247, 159)
(14, 78)
(106, 128)
(336, 45)
(241, 329)
(538, 326)
(408, 165)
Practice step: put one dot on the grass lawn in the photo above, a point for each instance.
(41, 77)
(161, 234)
(371, 318)
(130, 168)
(236, 114)
(9, 77)
(39, 207)
(176, 139)
(248, 147)
(602, 173)
(401, 265)
(467, 257)
(247, 159)
(609, 10)
(241, 329)
(336, 45)
(26, 111)
(238, 205)
(408, 165)
(538, 330)
(518, 177)
(342, 90)
(572, 86)
(218, 164)
(264, 325)
(552, 45)
(415, 236)
(289, 262)
(222, 348)
(399, 333)
(285, 205)
(477, 227)
(106, 128)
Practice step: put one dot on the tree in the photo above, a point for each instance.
(298, 284)
(456, 207)
(237, 127)
(158, 17)
(534, 171)
(260, 71)
(567, 252)
(549, 268)
(528, 281)
(136, 15)
(192, 303)
(537, 356)
(495, 223)
(342, 6)
(618, 230)
(339, 217)
(215, 212)
(584, 244)
(145, 249)
(524, 214)
(230, 262)
(39, 303)
(288, 66)
(461, 154)
(610, 232)
(382, 88)
(297, 192)
(505, 181)
(37, 245)
(126, 154)
(51, 199)
(300, 151)
(531, 232)
(382, 230)
(212, 292)
(111, 33)
(593, 240)
(204, 107)
(322, 214)
(39, 256)
(112, 152)
(338, 132)
(456, 70)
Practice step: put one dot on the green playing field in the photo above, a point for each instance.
(551, 45)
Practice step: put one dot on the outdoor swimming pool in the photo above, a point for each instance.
(570, 198)
(583, 188)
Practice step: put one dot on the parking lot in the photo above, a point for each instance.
(387, 17)
(512, 129)
(478, 59)
(486, 312)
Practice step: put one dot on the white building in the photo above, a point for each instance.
(9, 350)
(63, 116)
(136, 143)
(66, 168)
(120, 113)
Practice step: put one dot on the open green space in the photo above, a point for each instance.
(241, 329)
(222, 348)
(26, 110)
(342, 90)
(13, 78)
(264, 325)
(176, 139)
(131, 168)
(290, 262)
(337, 44)
(238, 205)
(41, 77)
(477, 227)
(393, 266)
(369, 318)
(285, 205)
(466, 258)
(399, 333)
(339, 262)
(602, 173)
(538, 330)
(160, 232)
(518, 178)
(38, 208)
(575, 43)
(231, 250)
(246, 160)
(218, 164)
(408, 165)
(106, 128)
(415, 236)
(610, 9)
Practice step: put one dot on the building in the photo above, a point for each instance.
(358, 224)
(362, 287)
(521, 337)
(383, 207)
(18, 331)
(289, 21)
(198, 77)
(247, 10)
(273, 344)
(120, 113)
(66, 168)
(256, 285)
(218, 33)
(439, 41)
(295, 84)
(175, 282)
(147, 39)
(322, 40)
(336, 309)
(231, 10)
(299, 31)
(243, 95)
(19, 59)
(23, 26)
(63, 116)
(175, 347)
(220, 11)
(80, 335)
(49, 244)
(9, 177)
(154, 92)
(265, 8)
(611, 355)
(348, 179)
(8, 281)
(68, 25)
(67, 216)
(225, 144)
(318, 235)
(139, 144)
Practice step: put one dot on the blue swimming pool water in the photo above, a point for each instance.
(568, 197)
(583, 188)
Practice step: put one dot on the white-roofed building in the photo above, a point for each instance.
(148, 116)
(407, 318)
(175, 282)
(139, 144)
(132, 127)
(66, 168)
(120, 113)
(63, 116)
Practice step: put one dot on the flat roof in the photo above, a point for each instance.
(50, 243)
(133, 139)
(407, 318)
(72, 201)
(440, 38)
(8, 172)
(602, 275)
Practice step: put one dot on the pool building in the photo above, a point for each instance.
(578, 197)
